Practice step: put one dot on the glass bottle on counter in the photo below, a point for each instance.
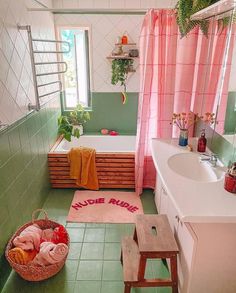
(202, 142)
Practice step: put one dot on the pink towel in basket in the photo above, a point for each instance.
(29, 238)
(47, 235)
(50, 253)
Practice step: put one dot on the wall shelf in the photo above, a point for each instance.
(121, 52)
(129, 44)
(121, 57)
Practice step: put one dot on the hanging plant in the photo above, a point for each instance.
(120, 69)
(186, 8)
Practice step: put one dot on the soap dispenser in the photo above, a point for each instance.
(202, 142)
(230, 179)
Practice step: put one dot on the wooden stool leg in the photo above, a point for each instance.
(142, 268)
(174, 273)
(127, 288)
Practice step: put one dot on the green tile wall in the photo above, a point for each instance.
(230, 120)
(109, 112)
(24, 183)
(224, 149)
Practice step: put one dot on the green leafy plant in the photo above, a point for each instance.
(120, 69)
(186, 8)
(65, 127)
(76, 117)
(79, 116)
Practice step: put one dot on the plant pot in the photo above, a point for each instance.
(80, 127)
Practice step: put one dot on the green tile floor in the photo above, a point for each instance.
(93, 264)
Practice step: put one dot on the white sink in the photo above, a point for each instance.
(189, 166)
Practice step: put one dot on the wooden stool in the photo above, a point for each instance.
(153, 238)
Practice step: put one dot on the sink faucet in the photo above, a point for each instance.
(210, 158)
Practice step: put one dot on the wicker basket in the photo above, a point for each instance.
(32, 272)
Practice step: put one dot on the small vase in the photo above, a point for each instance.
(80, 127)
(183, 137)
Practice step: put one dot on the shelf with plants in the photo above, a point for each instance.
(121, 57)
(126, 60)
(127, 51)
(128, 44)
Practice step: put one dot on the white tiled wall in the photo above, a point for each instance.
(114, 3)
(104, 31)
(16, 82)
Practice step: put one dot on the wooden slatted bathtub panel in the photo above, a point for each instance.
(108, 181)
(114, 155)
(57, 159)
(106, 178)
(99, 165)
(111, 173)
(100, 186)
(115, 165)
(98, 160)
(98, 155)
(115, 160)
(121, 178)
(99, 169)
(115, 170)
(59, 176)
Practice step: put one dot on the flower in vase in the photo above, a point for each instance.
(209, 118)
(183, 120)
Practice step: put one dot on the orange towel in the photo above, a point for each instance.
(83, 167)
(20, 256)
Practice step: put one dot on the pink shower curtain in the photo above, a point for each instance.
(173, 78)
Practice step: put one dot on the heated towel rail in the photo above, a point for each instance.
(35, 65)
(3, 126)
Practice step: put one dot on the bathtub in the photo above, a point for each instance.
(115, 161)
(102, 144)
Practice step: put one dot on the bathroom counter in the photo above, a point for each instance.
(195, 202)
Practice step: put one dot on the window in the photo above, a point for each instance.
(77, 78)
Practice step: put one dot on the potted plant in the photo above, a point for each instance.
(120, 70)
(72, 124)
(186, 8)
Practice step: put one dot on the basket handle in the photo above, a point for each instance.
(39, 210)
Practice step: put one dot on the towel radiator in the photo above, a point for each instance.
(36, 65)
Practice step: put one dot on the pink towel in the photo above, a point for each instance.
(29, 238)
(47, 235)
(50, 253)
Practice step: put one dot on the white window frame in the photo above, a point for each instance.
(60, 57)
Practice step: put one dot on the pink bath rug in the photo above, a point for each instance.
(104, 207)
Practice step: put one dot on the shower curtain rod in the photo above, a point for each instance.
(221, 7)
(91, 11)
